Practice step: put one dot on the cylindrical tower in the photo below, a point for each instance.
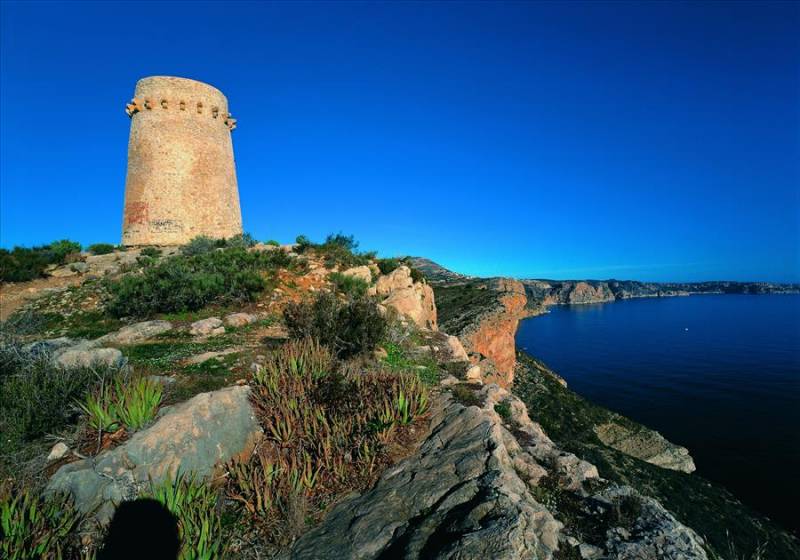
(181, 179)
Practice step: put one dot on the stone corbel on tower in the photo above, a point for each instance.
(230, 122)
(134, 106)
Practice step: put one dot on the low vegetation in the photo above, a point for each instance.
(37, 398)
(329, 426)
(350, 286)
(101, 248)
(36, 528)
(28, 263)
(191, 282)
(337, 250)
(350, 326)
(202, 244)
(196, 507)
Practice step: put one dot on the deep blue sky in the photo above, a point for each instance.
(653, 141)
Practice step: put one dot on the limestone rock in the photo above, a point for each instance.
(458, 496)
(647, 445)
(92, 357)
(398, 279)
(456, 349)
(474, 374)
(414, 303)
(58, 451)
(207, 327)
(190, 437)
(133, 334)
(361, 272)
(241, 319)
(654, 534)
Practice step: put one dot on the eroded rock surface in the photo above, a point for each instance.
(478, 487)
(414, 300)
(647, 445)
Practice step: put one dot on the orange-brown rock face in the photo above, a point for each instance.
(493, 336)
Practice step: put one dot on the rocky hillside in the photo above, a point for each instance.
(311, 401)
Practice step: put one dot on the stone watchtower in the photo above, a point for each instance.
(181, 179)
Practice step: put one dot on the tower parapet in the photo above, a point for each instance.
(181, 179)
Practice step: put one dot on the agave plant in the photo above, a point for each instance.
(35, 528)
(101, 410)
(138, 402)
(194, 504)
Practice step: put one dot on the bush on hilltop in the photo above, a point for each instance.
(27, 263)
(191, 282)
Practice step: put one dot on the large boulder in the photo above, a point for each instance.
(192, 437)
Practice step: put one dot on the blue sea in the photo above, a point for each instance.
(718, 374)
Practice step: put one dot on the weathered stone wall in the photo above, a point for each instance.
(181, 179)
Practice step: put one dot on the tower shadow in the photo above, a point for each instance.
(142, 529)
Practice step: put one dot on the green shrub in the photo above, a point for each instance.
(194, 504)
(303, 243)
(37, 398)
(349, 327)
(200, 245)
(64, 249)
(34, 528)
(465, 394)
(348, 285)
(273, 243)
(416, 275)
(337, 250)
(189, 283)
(203, 244)
(101, 248)
(22, 263)
(152, 252)
(388, 265)
(503, 409)
(243, 240)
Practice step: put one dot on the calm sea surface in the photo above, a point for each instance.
(719, 374)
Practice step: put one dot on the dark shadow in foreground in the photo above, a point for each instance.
(143, 528)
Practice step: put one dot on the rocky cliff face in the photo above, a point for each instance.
(485, 315)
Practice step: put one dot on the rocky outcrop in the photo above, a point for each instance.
(361, 272)
(477, 487)
(491, 334)
(191, 437)
(414, 300)
(647, 445)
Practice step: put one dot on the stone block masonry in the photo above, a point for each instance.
(181, 179)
